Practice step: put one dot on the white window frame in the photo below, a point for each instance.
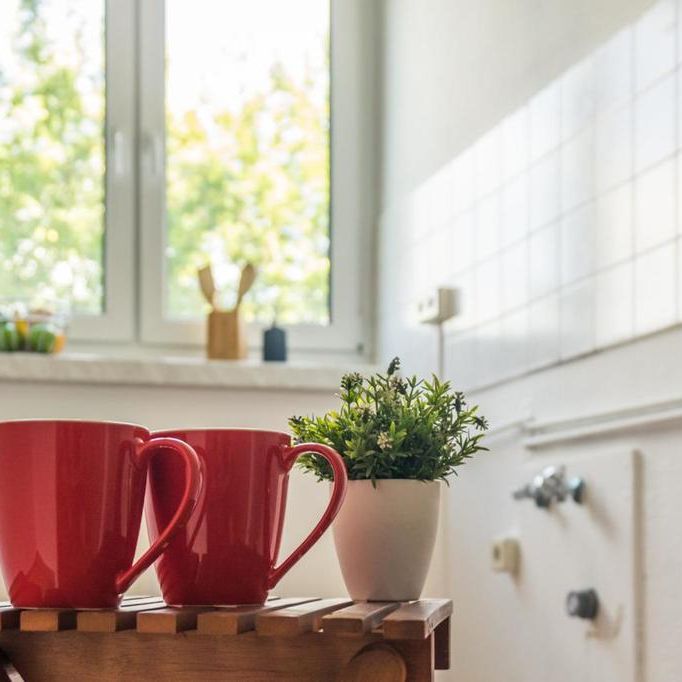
(352, 189)
(116, 323)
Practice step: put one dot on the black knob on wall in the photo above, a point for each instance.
(582, 604)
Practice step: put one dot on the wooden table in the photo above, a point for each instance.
(286, 639)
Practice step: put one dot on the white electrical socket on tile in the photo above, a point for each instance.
(505, 554)
(438, 306)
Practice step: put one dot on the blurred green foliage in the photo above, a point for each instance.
(253, 186)
(51, 168)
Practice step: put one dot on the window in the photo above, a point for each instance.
(141, 140)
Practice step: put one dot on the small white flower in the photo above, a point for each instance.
(384, 441)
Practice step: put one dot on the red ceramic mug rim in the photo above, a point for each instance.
(236, 429)
(66, 420)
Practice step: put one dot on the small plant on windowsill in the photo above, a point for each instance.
(400, 437)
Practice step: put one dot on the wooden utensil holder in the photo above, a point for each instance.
(226, 335)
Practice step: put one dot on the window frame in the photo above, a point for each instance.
(352, 97)
(116, 323)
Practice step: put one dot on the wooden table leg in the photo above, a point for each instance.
(441, 638)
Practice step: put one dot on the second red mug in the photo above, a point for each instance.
(227, 552)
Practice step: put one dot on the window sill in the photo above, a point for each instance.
(82, 368)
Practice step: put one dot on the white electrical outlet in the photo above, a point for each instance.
(438, 306)
(504, 555)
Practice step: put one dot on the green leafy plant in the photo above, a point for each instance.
(394, 427)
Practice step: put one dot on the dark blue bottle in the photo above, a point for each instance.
(274, 344)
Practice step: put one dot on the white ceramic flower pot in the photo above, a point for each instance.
(384, 538)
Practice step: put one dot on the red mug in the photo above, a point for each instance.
(227, 552)
(71, 500)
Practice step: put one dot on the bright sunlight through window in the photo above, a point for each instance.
(247, 154)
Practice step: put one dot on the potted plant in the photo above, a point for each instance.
(400, 438)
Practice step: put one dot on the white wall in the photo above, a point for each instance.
(457, 76)
(167, 407)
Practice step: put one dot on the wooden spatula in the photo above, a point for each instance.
(245, 282)
(207, 284)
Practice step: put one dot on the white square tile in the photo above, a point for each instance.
(515, 276)
(515, 143)
(440, 185)
(613, 147)
(614, 234)
(655, 289)
(441, 254)
(544, 111)
(577, 244)
(679, 280)
(678, 112)
(679, 31)
(460, 360)
(655, 206)
(678, 168)
(463, 253)
(543, 342)
(463, 192)
(465, 284)
(614, 305)
(513, 343)
(577, 97)
(488, 161)
(425, 273)
(488, 361)
(543, 248)
(613, 70)
(544, 191)
(421, 212)
(514, 210)
(487, 226)
(488, 289)
(655, 137)
(577, 169)
(577, 319)
(655, 43)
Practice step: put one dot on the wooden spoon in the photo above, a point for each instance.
(245, 282)
(207, 284)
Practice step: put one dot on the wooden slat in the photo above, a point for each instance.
(297, 619)
(417, 620)
(168, 621)
(233, 621)
(357, 619)
(9, 617)
(115, 620)
(47, 620)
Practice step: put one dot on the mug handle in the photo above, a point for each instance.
(335, 501)
(189, 499)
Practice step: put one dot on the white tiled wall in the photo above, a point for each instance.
(560, 226)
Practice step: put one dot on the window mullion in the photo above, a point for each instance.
(117, 321)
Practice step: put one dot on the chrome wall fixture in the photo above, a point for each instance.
(551, 486)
